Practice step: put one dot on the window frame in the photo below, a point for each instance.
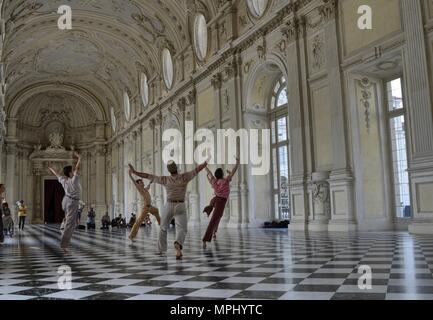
(113, 119)
(389, 115)
(127, 106)
(169, 85)
(252, 10)
(275, 114)
(144, 98)
(200, 56)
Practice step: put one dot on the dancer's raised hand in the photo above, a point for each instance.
(131, 168)
(76, 155)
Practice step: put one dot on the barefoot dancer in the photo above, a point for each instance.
(175, 186)
(221, 186)
(147, 208)
(71, 184)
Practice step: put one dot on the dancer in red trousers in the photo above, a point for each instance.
(221, 186)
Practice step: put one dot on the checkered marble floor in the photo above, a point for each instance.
(240, 265)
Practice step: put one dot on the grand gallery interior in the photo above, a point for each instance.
(348, 108)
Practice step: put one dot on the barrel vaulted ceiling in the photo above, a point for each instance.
(110, 44)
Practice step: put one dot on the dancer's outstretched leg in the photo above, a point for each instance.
(208, 209)
(140, 219)
(155, 212)
(220, 204)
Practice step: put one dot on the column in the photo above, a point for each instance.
(230, 105)
(100, 206)
(139, 160)
(120, 194)
(11, 181)
(420, 114)
(191, 112)
(37, 216)
(134, 159)
(298, 185)
(157, 140)
(1, 160)
(244, 219)
(341, 180)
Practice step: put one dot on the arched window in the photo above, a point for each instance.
(200, 36)
(113, 119)
(144, 86)
(257, 7)
(127, 106)
(279, 96)
(278, 116)
(167, 68)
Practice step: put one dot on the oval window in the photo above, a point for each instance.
(167, 68)
(257, 7)
(127, 106)
(113, 119)
(144, 90)
(200, 36)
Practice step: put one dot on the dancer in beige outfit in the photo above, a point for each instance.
(147, 206)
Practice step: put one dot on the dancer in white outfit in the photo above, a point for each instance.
(70, 204)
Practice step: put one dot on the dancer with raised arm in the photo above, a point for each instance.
(147, 206)
(70, 204)
(221, 187)
(175, 185)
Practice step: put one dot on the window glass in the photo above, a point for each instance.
(127, 106)
(113, 119)
(200, 36)
(257, 7)
(167, 68)
(144, 90)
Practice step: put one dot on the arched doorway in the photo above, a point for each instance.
(278, 117)
(267, 107)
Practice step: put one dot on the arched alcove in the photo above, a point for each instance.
(265, 82)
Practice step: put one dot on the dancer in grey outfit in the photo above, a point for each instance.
(71, 184)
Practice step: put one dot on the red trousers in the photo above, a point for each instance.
(218, 204)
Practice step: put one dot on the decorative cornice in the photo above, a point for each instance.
(328, 9)
(217, 81)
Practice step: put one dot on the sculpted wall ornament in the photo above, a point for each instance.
(216, 81)
(366, 94)
(145, 22)
(247, 66)
(291, 30)
(230, 71)
(56, 141)
(317, 52)
(243, 20)
(226, 101)
(328, 10)
(261, 50)
(281, 46)
(321, 193)
(191, 97)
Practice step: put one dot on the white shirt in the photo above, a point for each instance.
(72, 186)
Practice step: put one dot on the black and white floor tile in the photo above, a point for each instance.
(240, 265)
